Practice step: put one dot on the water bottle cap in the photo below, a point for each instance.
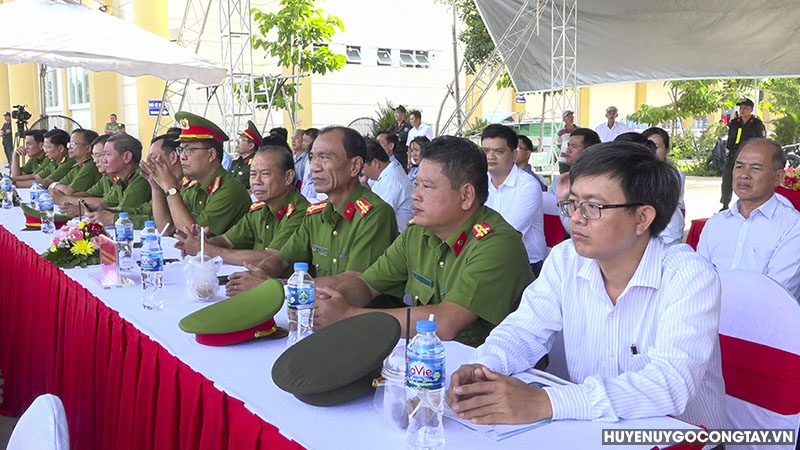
(151, 237)
(150, 223)
(426, 326)
(300, 266)
(123, 215)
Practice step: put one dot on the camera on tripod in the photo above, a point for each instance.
(19, 114)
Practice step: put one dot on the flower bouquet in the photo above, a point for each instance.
(791, 178)
(74, 245)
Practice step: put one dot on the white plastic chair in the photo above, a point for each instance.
(760, 345)
(43, 426)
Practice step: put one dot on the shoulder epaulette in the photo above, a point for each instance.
(256, 206)
(412, 222)
(187, 182)
(363, 206)
(480, 230)
(316, 207)
(63, 158)
(214, 186)
(290, 209)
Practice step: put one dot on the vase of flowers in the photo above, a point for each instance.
(74, 245)
(791, 178)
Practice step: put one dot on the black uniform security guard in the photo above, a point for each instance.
(740, 130)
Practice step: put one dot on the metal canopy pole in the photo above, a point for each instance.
(563, 61)
(238, 100)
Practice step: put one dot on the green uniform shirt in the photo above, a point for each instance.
(483, 267)
(263, 228)
(100, 188)
(61, 170)
(32, 164)
(130, 191)
(82, 176)
(350, 237)
(240, 169)
(218, 204)
(45, 168)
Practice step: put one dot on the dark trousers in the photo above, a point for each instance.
(727, 178)
(9, 150)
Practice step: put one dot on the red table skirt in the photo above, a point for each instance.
(120, 389)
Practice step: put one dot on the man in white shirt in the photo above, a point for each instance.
(761, 232)
(640, 321)
(391, 182)
(513, 193)
(579, 140)
(611, 128)
(300, 155)
(307, 183)
(418, 128)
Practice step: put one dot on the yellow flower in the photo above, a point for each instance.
(53, 249)
(82, 248)
(81, 225)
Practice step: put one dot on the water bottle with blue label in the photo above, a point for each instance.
(425, 388)
(35, 193)
(149, 228)
(8, 192)
(152, 273)
(47, 213)
(123, 231)
(300, 303)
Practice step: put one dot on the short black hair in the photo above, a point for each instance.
(642, 176)
(122, 125)
(778, 157)
(352, 141)
(126, 143)
(632, 136)
(275, 140)
(391, 137)
(590, 137)
(421, 140)
(659, 131)
(169, 142)
(38, 135)
(88, 135)
(285, 158)
(101, 139)
(526, 141)
(313, 132)
(401, 108)
(416, 114)
(462, 162)
(174, 130)
(57, 137)
(280, 131)
(496, 130)
(375, 151)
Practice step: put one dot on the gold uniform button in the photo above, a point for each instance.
(200, 202)
(268, 227)
(416, 298)
(316, 265)
(335, 233)
(441, 264)
(240, 173)
(334, 260)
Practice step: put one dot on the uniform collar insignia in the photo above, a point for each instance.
(480, 230)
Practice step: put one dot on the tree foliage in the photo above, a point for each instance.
(289, 36)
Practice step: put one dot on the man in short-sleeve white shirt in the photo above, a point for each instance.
(610, 129)
(761, 232)
(418, 128)
(640, 321)
(391, 182)
(515, 194)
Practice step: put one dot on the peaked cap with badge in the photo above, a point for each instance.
(251, 132)
(194, 127)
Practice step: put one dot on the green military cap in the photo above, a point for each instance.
(339, 362)
(196, 127)
(33, 218)
(240, 318)
(252, 133)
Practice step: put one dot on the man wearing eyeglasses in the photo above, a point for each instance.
(92, 196)
(55, 147)
(84, 173)
(208, 195)
(640, 321)
(246, 146)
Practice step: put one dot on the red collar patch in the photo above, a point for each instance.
(280, 213)
(187, 182)
(363, 206)
(256, 206)
(480, 230)
(214, 186)
(315, 208)
(289, 209)
(349, 211)
(63, 158)
(460, 242)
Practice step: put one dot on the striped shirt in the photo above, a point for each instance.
(767, 242)
(669, 311)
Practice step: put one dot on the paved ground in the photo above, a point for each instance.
(702, 198)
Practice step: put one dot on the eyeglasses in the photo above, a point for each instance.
(589, 210)
(72, 144)
(188, 150)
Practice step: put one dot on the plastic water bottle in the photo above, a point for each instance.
(8, 192)
(300, 303)
(152, 273)
(46, 213)
(123, 230)
(35, 193)
(149, 228)
(425, 388)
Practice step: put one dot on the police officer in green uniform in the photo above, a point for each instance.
(55, 147)
(460, 260)
(84, 173)
(249, 140)
(347, 232)
(276, 215)
(210, 197)
(22, 176)
(94, 194)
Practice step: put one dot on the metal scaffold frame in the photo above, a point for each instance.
(563, 60)
(238, 99)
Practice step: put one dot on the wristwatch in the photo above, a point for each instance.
(171, 191)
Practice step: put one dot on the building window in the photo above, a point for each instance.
(407, 58)
(384, 57)
(422, 59)
(353, 54)
(414, 58)
(52, 92)
(78, 84)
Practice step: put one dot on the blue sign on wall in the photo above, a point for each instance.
(154, 106)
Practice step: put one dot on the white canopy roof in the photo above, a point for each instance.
(70, 35)
(629, 41)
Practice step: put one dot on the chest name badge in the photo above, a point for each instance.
(322, 251)
(422, 279)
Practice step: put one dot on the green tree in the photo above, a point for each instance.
(289, 36)
(688, 99)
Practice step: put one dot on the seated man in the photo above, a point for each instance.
(84, 173)
(93, 195)
(212, 198)
(390, 182)
(55, 147)
(460, 260)
(349, 231)
(276, 215)
(22, 176)
(513, 193)
(761, 232)
(579, 140)
(249, 140)
(522, 159)
(640, 321)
